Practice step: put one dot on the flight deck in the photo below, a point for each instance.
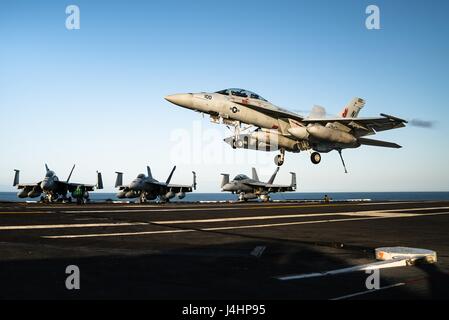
(220, 250)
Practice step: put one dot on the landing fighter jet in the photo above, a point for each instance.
(147, 188)
(53, 190)
(283, 130)
(248, 188)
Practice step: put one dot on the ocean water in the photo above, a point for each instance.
(226, 196)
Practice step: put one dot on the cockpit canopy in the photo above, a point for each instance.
(141, 176)
(49, 174)
(241, 177)
(241, 93)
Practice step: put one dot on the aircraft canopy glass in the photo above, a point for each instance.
(49, 174)
(241, 177)
(241, 93)
(141, 176)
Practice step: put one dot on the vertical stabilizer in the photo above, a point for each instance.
(16, 177)
(225, 179)
(352, 109)
(119, 179)
(194, 180)
(70, 174)
(171, 175)
(255, 177)
(149, 172)
(273, 176)
(293, 183)
(99, 180)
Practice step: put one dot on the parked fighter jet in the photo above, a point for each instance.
(248, 188)
(147, 188)
(53, 190)
(283, 130)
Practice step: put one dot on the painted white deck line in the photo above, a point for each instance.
(369, 291)
(238, 227)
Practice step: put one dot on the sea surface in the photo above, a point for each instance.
(339, 196)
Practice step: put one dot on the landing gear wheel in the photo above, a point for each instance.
(234, 145)
(242, 197)
(239, 143)
(279, 160)
(142, 198)
(315, 158)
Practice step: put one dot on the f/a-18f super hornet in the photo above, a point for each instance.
(51, 189)
(248, 188)
(147, 188)
(283, 130)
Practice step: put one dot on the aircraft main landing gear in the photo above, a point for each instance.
(279, 159)
(242, 197)
(237, 143)
(142, 198)
(315, 157)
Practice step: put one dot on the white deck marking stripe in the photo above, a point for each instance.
(384, 264)
(159, 209)
(375, 213)
(369, 291)
(182, 209)
(62, 226)
(232, 228)
(244, 206)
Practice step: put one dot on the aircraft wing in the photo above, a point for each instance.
(179, 187)
(28, 185)
(274, 112)
(279, 188)
(256, 184)
(72, 186)
(363, 126)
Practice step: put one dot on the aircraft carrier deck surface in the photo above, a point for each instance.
(218, 250)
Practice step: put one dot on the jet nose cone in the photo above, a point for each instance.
(181, 99)
(134, 186)
(45, 185)
(227, 187)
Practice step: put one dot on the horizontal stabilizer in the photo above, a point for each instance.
(378, 143)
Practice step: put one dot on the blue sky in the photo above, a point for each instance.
(94, 96)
